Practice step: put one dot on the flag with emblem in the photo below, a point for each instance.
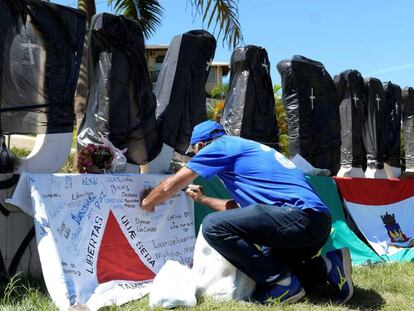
(383, 210)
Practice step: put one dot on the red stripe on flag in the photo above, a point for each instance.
(117, 260)
(374, 191)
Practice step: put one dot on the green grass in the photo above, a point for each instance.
(379, 287)
(20, 152)
(69, 165)
(25, 294)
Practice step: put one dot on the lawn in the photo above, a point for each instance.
(379, 287)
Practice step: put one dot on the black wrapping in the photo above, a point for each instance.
(185, 106)
(309, 98)
(408, 126)
(393, 101)
(40, 55)
(249, 109)
(350, 89)
(373, 131)
(120, 104)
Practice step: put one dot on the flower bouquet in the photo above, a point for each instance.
(95, 159)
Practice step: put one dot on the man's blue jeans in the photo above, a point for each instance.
(289, 237)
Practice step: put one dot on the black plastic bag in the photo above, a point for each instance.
(180, 87)
(40, 54)
(408, 126)
(373, 131)
(350, 89)
(393, 109)
(309, 98)
(249, 109)
(8, 160)
(120, 104)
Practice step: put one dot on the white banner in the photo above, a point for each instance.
(97, 246)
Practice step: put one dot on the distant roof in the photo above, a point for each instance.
(226, 66)
(220, 64)
(157, 46)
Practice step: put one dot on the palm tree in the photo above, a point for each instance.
(221, 15)
(87, 6)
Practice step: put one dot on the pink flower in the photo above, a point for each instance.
(90, 148)
(94, 156)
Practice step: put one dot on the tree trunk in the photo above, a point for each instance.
(87, 6)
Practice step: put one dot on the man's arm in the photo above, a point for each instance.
(197, 194)
(167, 188)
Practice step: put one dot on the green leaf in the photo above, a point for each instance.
(217, 14)
(150, 17)
(223, 15)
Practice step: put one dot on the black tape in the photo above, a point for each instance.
(312, 110)
(4, 211)
(20, 251)
(3, 272)
(350, 89)
(26, 105)
(4, 184)
(185, 106)
(120, 104)
(374, 130)
(249, 109)
(23, 108)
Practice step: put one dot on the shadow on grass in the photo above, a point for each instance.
(363, 299)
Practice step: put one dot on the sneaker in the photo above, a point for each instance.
(279, 293)
(340, 272)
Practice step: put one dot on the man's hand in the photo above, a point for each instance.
(143, 195)
(195, 192)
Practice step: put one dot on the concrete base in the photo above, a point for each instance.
(355, 172)
(161, 164)
(392, 172)
(48, 155)
(375, 173)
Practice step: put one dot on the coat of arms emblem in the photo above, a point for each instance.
(393, 228)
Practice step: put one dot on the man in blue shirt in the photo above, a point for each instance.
(273, 206)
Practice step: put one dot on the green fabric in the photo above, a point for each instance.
(212, 188)
(341, 234)
(406, 254)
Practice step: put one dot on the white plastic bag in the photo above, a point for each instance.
(307, 168)
(119, 162)
(173, 286)
(216, 277)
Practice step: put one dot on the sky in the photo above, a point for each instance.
(373, 37)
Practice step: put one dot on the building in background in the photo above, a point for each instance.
(155, 56)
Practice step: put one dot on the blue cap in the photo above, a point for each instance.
(206, 131)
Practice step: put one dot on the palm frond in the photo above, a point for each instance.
(222, 15)
(150, 13)
(89, 7)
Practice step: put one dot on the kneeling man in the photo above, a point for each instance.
(273, 206)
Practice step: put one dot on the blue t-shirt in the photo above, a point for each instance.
(255, 173)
